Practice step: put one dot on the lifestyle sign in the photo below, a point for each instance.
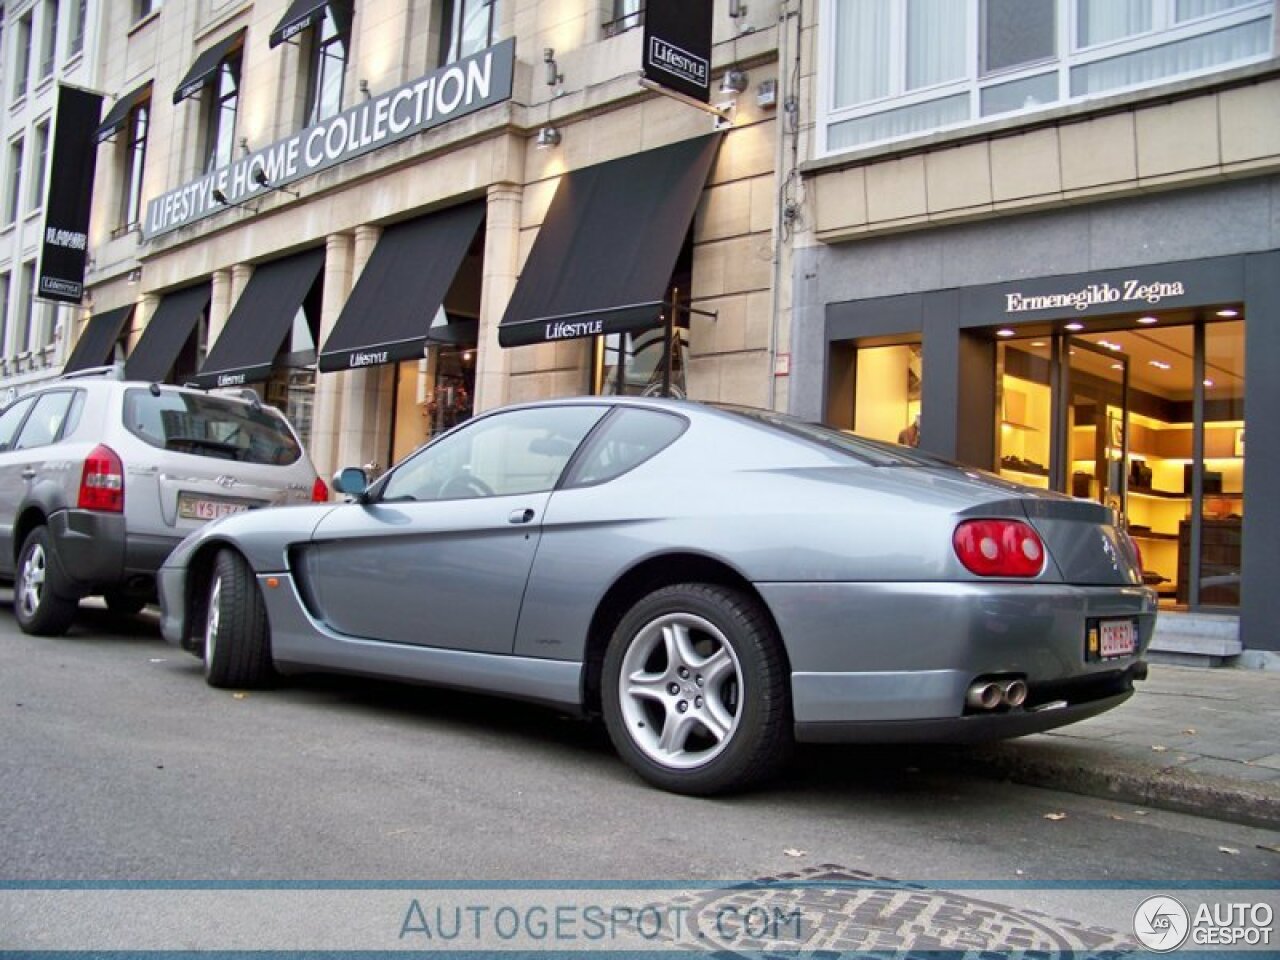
(453, 91)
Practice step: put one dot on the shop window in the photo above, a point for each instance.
(135, 160)
(468, 27)
(626, 15)
(1026, 411)
(898, 68)
(221, 103)
(1222, 470)
(327, 50)
(886, 393)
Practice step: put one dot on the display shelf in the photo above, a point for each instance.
(1153, 535)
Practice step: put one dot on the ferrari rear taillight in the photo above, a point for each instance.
(102, 482)
(999, 548)
(319, 492)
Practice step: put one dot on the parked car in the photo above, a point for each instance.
(101, 477)
(717, 582)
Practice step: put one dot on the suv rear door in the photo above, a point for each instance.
(12, 486)
(36, 459)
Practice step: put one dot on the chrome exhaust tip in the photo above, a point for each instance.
(1015, 693)
(984, 695)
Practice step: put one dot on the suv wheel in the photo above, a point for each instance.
(41, 601)
(237, 639)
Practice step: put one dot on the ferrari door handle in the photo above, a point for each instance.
(521, 516)
(28, 474)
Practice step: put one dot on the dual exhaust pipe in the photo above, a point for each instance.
(990, 694)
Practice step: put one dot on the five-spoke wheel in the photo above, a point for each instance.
(41, 601)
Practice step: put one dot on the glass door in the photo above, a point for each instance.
(1096, 388)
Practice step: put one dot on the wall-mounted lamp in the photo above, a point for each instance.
(733, 81)
(244, 146)
(553, 75)
(261, 179)
(364, 88)
(135, 275)
(548, 137)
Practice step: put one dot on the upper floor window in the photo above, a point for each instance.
(36, 187)
(4, 314)
(469, 27)
(135, 159)
(49, 39)
(222, 102)
(898, 68)
(26, 309)
(13, 196)
(22, 56)
(79, 14)
(627, 15)
(327, 62)
(144, 8)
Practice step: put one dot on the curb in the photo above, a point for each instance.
(1095, 773)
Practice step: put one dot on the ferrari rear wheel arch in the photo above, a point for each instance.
(695, 690)
(232, 632)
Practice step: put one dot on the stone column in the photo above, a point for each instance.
(328, 397)
(142, 314)
(219, 303)
(498, 280)
(357, 442)
(240, 274)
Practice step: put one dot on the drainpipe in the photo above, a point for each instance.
(782, 171)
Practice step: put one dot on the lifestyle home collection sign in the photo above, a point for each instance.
(677, 46)
(64, 244)
(454, 91)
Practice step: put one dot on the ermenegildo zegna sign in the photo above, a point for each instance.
(451, 92)
(65, 241)
(1096, 294)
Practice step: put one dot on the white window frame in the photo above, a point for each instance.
(1069, 57)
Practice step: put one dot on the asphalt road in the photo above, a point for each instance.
(118, 763)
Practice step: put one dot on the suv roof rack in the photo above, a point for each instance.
(113, 371)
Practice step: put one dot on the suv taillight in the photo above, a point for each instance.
(102, 483)
(319, 492)
(999, 548)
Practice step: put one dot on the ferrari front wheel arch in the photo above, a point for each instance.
(232, 633)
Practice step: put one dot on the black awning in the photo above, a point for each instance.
(450, 329)
(97, 343)
(166, 334)
(118, 115)
(389, 313)
(300, 15)
(206, 66)
(608, 245)
(260, 321)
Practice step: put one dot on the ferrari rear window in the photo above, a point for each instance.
(209, 426)
(872, 452)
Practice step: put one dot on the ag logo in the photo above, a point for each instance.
(1161, 924)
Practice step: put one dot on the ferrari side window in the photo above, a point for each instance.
(630, 438)
(519, 451)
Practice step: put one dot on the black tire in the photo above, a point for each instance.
(43, 602)
(236, 636)
(751, 689)
(124, 604)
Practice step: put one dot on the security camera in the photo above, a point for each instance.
(221, 197)
(260, 177)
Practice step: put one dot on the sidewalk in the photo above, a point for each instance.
(1204, 741)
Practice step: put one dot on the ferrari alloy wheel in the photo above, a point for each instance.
(40, 600)
(695, 690)
(237, 639)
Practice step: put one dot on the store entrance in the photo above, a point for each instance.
(1146, 417)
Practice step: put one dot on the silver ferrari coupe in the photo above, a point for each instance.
(716, 582)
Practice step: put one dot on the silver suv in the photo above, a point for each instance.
(100, 478)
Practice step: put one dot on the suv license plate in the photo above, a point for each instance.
(1116, 638)
(202, 508)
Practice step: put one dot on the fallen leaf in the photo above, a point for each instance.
(1018, 872)
(1140, 813)
(1055, 816)
(156, 660)
(1158, 748)
(239, 696)
(1115, 816)
(793, 852)
(1270, 848)
(1190, 731)
(1231, 850)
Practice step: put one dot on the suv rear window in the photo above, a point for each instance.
(209, 426)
